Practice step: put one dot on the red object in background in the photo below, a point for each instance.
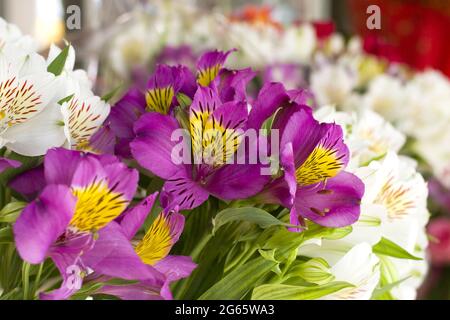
(440, 248)
(413, 32)
(324, 29)
(255, 14)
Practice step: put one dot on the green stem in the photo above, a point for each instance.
(26, 280)
(38, 279)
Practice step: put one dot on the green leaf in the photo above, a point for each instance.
(183, 100)
(268, 123)
(236, 284)
(66, 99)
(249, 214)
(380, 292)
(315, 270)
(6, 235)
(316, 231)
(27, 164)
(388, 248)
(57, 65)
(111, 94)
(288, 292)
(11, 211)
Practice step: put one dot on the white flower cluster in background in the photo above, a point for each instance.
(393, 215)
(38, 108)
(137, 41)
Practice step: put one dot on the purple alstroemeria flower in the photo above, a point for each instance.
(8, 164)
(215, 135)
(209, 66)
(165, 84)
(122, 118)
(72, 220)
(153, 249)
(177, 55)
(161, 92)
(313, 157)
(230, 84)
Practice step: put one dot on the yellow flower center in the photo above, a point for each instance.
(321, 164)
(206, 76)
(159, 99)
(156, 243)
(96, 206)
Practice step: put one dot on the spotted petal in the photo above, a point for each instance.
(335, 203)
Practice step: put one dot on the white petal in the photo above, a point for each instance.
(35, 136)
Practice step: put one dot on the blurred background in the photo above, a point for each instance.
(413, 32)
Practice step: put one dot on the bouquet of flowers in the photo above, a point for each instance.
(191, 188)
(336, 73)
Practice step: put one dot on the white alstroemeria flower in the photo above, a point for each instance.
(437, 154)
(396, 185)
(385, 95)
(255, 45)
(412, 272)
(29, 121)
(332, 84)
(298, 44)
(12, 39)
(71, 80)
(83, 115)
(134, 46)
(334, 45)
(357, 266)
(425, 107)
(367, 134)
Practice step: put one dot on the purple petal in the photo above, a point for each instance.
(165, 76)
(183, 192)
(271, 97)
(8, 163)
(304, 133)
(60, 165)
(301, 97)
(177, 55)
(236, 181)
(153, 146)
(335, 203)
(43, 221)
(71, 274)
(282, 190)
(122, 179)
(139, 291)
(126, 112)
(189, 83)
(30, 183)
(134, 218)
(88, 170)
(114, 256)
(174, 268)
(103, 141)
(206, 100)
(232, 84)
(209, 66)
